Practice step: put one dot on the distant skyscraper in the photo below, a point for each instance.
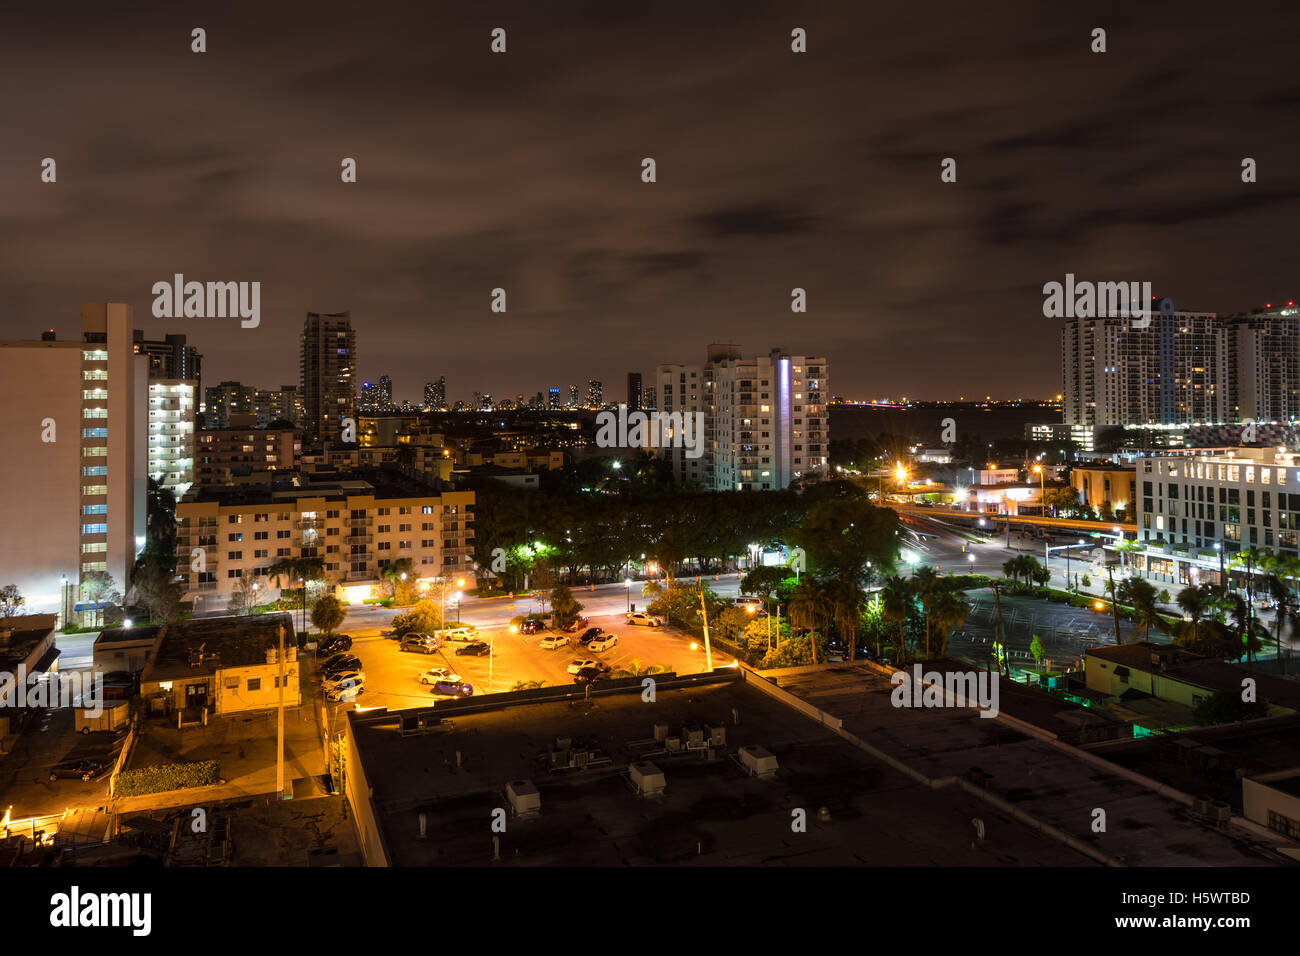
(435, 394)
(553, 398)
(573, 397)
(633, 391)
(385, 391)
(328, 376)
(648, 398)
(282, 404)
(595, 394)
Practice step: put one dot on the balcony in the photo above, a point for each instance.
(365, 522)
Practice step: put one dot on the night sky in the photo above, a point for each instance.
(522, 170)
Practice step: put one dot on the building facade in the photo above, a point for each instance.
(327, 376)
(356, 525)
(224, 455)
(171, 434)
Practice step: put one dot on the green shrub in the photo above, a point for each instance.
(174, 776)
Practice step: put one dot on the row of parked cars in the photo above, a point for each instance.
(467, 637)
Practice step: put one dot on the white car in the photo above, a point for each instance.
(458, 633)
(602, 643)
(438, 673)
(551, 641)
(346, 686)
(577, 665)
(644, 619)
(334, 680)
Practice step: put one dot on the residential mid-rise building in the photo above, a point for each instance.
(634, 397)
(357, 524)
(328, 376)
(227, 400)
(765, 419)
(225, 455)
(1194, 512)
(279, 405)
(171, 434)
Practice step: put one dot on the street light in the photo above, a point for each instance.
(627, 586)
(1042, 489)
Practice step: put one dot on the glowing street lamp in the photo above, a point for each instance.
(627, 586)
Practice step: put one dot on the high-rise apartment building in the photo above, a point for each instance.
(595, 394)
(328, 376)
(171, 434)
(765, 418)
(634, 397)
(552, 398)
(650, 398)
(435, 394)
(1181, 369)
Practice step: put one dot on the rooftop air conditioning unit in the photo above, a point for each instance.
(1220, 812)
(673, 744)
(693, 737)
(717, 735)
(759, 761)
(525, 800)
(661, 733)
(563, 743)
(648, 779)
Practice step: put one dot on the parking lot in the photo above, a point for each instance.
(49, 741)
(393, 676)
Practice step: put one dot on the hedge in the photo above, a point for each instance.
(174, 776)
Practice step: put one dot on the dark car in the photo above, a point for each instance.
(590, 675)
(474, 649)
(449, 688)
(73, 769)
(340, 663)
(576, 624)
(532, 626)
(334, 644)
(590, 634)
(419, 644)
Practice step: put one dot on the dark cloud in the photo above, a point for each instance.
(523, 171)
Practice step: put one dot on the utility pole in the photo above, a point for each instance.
(708, 651)
(998, 639)
(279, 740)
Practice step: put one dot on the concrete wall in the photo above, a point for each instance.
(238, 698)
(1259, 796)
(40, 482)
(356, 790)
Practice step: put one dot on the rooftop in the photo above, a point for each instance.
(711, 813)
(376, 482)
(204, 646)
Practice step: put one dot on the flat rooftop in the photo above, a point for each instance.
(380, 483)
(1053, 784)
(206, 645)
(711, 813)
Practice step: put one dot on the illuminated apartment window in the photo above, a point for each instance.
(95, 547)
(98, 451)
(91, 490)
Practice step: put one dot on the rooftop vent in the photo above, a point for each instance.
(647, 779)
(759, 761)
(525, 800)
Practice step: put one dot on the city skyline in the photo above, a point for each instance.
(515, 183)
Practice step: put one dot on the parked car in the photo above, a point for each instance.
(589, 675)
(475, 648)
(74, 769)
(334, 644)
(462, 632)
(339, 663)
(551, 641)
(532, 626)
(453, 688)
(577, 624)
(435, 674)
(334, 681)
(347, 689)
(602, 643)
(419, 644)
(590, 635)
(644, 620)
(579, 663)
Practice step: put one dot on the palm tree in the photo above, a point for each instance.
(810, 607)
(950, 611)
(1140, 594)
(926, 583)
(847, 601)
(1196, 603)
(896, 602)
